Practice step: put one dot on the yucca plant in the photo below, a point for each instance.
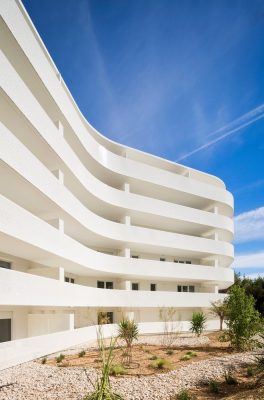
(128, 331)
(198, 323)
(102, 387)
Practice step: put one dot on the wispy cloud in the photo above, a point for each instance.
(250, 260)
(255, 275)
(233, 127)
(249, 186)
(249, 226)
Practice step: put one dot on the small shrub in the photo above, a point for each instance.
(147, 351)
(44, 360)
(161, 363)
(81, 354)
(184, 395)
(170, 352)
(250, 371)
(117, 369)
(191, 354)
(186, 357)
(230, 379)
(214, 386)
(224, 337)
(60, 358)
(153, 357)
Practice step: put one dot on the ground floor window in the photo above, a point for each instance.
(68, 280)
(153, 287)
(105, 317)
(5, 330)
(135, 286)
(5, 264)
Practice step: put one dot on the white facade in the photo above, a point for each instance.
(78, 211)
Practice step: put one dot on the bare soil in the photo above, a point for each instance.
(143, 357)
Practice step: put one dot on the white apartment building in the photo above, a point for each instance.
(89, 227)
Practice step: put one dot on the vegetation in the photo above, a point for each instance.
(81, 354)
(188, 356)
(218, 308)
(184, 395)
(242, 319)
(253, 287)
(214, 386)
(161, 363)
(60, 358)
(198, 323)
(117, 369)
(128, 331)
(230, 379)
(44, 360)
(102, 387)
(250, 371)
(170, 332)
(169, 352)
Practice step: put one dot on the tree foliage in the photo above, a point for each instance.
(218, 308)
(242, 319)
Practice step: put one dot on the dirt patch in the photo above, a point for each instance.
(147, 356)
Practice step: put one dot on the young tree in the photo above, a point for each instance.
(242, 319)
(198, 323)
(128, 331)
(219, 309)
(170, 333)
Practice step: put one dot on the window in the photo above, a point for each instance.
(100, 284)
(5, 264)
(181, 262)
(134, 256)
(68, 280)
(135, 286)
(109, 285)
(185, 288)
(188, 262)
(105, 318)
(162, 259)
(153, 287)
(176, 261)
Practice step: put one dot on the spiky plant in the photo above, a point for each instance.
(128, 331)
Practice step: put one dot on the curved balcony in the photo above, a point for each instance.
(129, 169)
(18, 288)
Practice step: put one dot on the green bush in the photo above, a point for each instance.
(191, 353)
(170, 352)
(198, 323)
(186, 357)
(44, 360)
(60, 358)
(184, 395)
(161, 363)
(243, 320)
(214, 386)
(250, 371)
(153, 357)
(117, 369)
(81, 354)
(230, 379)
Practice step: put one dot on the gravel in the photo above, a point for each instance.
(34, 381)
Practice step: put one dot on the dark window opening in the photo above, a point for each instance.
(153, 287)
(100, 284)
(135, 286)
(5, 264)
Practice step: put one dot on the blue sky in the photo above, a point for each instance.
(181, 79)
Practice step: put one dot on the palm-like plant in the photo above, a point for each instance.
(128, 331)
(198, 323)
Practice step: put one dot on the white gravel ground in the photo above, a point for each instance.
(33, 381)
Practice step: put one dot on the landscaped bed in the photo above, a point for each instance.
(147, 359)
(72, 378)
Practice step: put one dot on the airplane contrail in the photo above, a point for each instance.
(243, 121)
